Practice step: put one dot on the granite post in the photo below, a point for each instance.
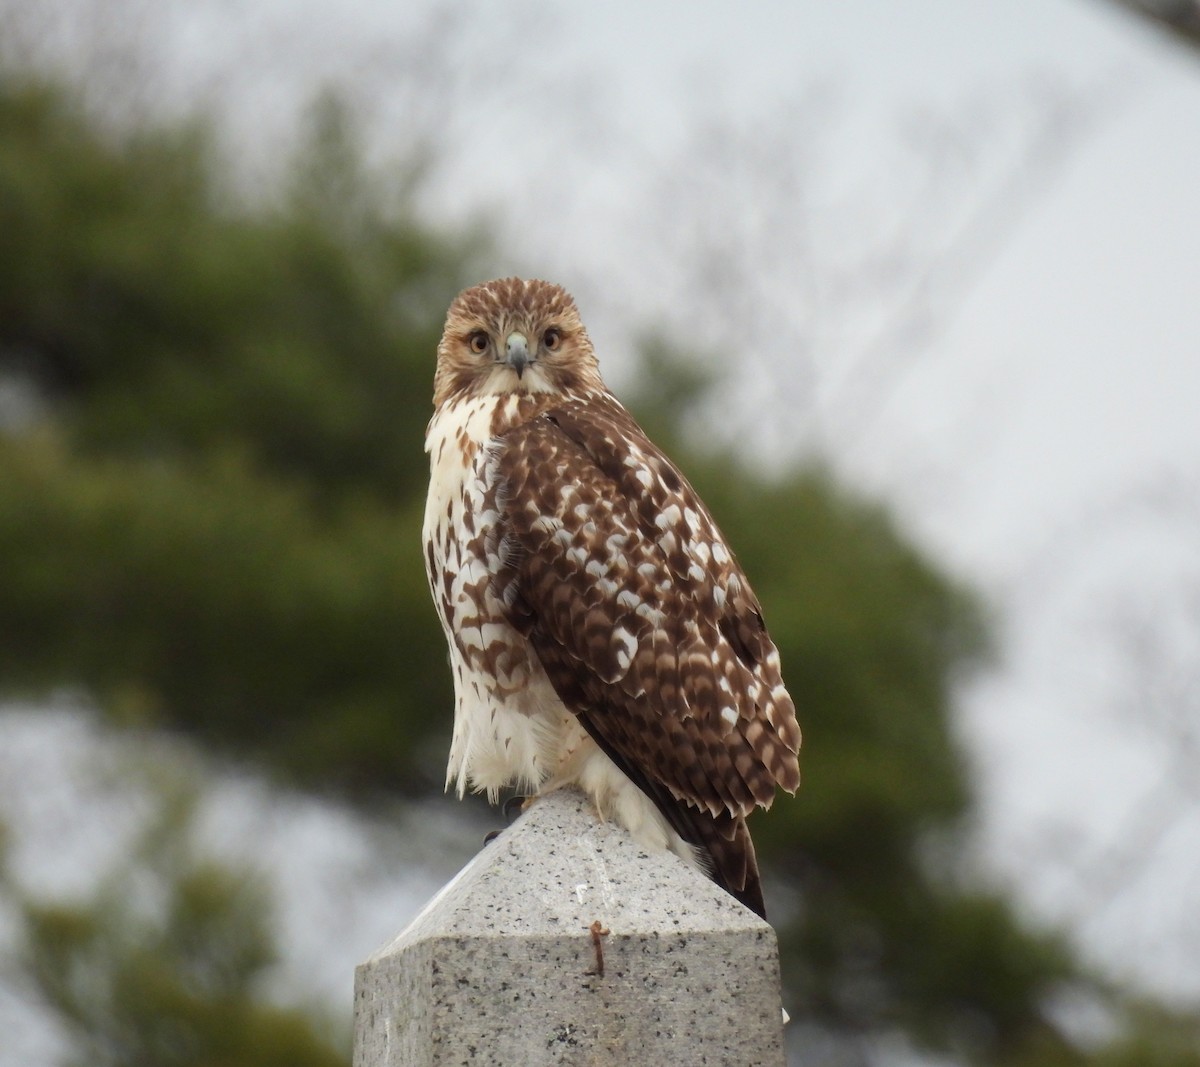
(565, 943)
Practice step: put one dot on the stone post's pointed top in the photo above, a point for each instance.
(565, 942)
(558, 866)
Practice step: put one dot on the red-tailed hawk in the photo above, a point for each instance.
(601, 632)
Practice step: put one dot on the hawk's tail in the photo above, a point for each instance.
(724, 841)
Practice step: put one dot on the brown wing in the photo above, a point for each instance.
(644, 622)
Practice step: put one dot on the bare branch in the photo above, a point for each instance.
(1179, 17)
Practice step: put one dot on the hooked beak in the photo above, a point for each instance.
(517, 352)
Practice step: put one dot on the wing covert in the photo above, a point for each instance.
(645, 625)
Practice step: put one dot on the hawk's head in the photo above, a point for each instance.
(514, 336)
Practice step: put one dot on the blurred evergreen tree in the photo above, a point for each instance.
(209, 519)
(215, 526)
(164, 963)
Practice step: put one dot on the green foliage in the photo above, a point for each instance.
(166, 322)
(163, 965)
(218, 530)
(203, 596)
(1156, 1037)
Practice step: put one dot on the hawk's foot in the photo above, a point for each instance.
(515, 807)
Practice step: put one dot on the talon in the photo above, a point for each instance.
(491, 836)
(514, 807)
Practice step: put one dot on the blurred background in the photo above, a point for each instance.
(909, 291)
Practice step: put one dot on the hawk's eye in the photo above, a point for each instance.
(478, 342)
(552, 338)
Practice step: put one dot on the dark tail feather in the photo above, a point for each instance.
(726, 840)
(724, 843)
(723, 840)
